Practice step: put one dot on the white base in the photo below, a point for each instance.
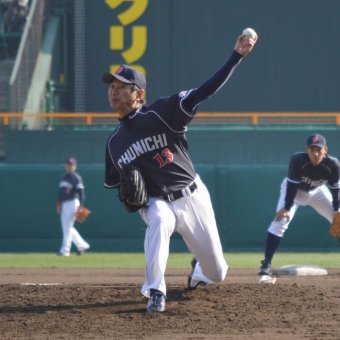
(301, 270)
(266, 279)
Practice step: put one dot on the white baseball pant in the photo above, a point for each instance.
(319, 199)
(193, 217)
(70, 234)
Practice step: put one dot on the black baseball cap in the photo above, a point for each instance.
(71, 161)
(316, 140)
(126, 74)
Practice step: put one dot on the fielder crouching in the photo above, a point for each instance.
(313, 179)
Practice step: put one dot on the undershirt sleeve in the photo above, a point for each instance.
(111, 179)
(335, 196)
(292, 189)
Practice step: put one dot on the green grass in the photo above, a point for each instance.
(176, 260)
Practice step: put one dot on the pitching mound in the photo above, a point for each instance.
(100, 304)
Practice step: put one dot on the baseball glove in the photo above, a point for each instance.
(82, 214)
(132, 192)
(335, 227)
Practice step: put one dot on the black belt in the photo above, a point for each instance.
(173, 196)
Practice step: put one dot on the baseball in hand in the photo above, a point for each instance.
(250, 33)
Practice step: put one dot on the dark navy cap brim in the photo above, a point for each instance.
(109, 77)
(319, 145)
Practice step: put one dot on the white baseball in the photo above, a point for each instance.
(250, 32)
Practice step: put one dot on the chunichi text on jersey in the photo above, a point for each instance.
(142, 146)
(313, 183)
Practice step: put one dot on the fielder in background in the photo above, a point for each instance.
(71, 197)
(309, 173)
(153, 139)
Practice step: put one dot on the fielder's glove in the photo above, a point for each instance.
(82, 214)
(132, 192)
(335, 227)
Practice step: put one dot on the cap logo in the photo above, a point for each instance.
(315, 139)
(119, 70)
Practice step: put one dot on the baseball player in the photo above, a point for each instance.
(71, 196)
(309, 173)
(152, 138)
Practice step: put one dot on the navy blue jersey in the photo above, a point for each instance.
(153, 138)
(303, 175)
(71, 186)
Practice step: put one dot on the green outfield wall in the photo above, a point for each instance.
(208, 145)
(242, 169)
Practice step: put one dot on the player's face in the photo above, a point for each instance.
(124, 97)
(70, 168)
(316, 154)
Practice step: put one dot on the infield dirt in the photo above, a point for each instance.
(107, 304)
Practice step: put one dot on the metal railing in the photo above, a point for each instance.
(26, 57)
(202, 118)
(63, 118)
(272, 118)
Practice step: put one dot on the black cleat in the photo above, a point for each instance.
(156, 303)
(193, 284)
(266, 268)
(81, 251)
